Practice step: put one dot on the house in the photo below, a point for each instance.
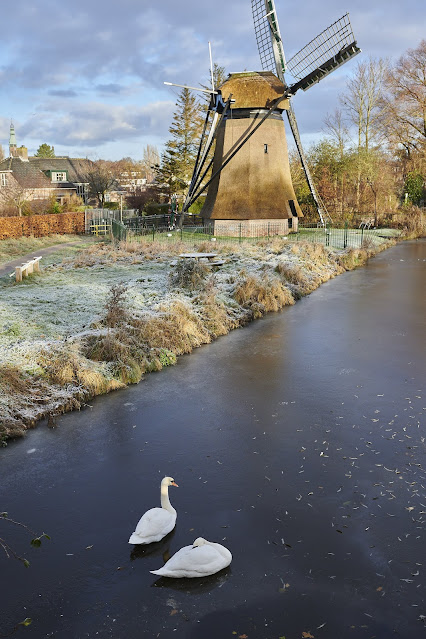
(39, 178)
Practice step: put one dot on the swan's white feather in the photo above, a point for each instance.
(196, 561)
(155, 524)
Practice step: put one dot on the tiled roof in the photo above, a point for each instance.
(31, 174)
(76, 167)
(27, 175)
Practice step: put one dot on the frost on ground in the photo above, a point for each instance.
(101, 319)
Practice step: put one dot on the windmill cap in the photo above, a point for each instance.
(254, 90)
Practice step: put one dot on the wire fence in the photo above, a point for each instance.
(335, 237)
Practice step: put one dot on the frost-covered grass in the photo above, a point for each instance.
(101, 317)
(15, 248)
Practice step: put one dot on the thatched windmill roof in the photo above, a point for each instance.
(253, 90)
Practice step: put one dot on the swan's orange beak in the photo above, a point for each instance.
(174, 484)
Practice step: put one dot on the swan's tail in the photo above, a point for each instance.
(157, 572)
(135, 539)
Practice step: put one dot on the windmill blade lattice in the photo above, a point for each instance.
(330, 49)
(268, 37)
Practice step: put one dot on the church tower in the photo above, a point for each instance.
(14, 151)
(12, 141)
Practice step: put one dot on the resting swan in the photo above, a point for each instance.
(199, 560)
(156, 523)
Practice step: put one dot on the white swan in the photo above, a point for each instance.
(199, 560)
(156, 523)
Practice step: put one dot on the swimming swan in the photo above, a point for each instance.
(199, 560)
(156, 523)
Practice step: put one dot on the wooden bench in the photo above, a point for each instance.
(32, 266)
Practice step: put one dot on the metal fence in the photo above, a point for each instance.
(340, 238)
(98, 217)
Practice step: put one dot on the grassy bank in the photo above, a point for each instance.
(104, 316)
(15, 248)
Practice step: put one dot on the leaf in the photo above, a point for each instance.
(379, 588)
(173, 612)
(36, 542)
(307, 635)
(26, 622)
(26, 563)
(242, 637)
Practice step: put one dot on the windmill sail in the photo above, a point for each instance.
(268, 37)
(330, 49)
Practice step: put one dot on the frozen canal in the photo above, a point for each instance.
(297, 442)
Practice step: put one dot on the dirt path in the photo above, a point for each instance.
(8, 267)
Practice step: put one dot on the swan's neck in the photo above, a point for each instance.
(165, 501)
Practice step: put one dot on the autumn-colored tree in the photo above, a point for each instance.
(404, 102)
(140, 198)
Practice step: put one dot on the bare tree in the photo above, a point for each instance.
(101, 179)
(362, 101)
(14, 196)
(150, 159)
(336, 129)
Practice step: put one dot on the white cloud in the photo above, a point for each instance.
(110, 60)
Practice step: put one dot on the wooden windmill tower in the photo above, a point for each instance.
(250, 183)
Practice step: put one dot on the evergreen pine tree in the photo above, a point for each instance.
(45, 151)
(178, 158)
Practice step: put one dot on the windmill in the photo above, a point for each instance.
(254, 184)
(329, 50)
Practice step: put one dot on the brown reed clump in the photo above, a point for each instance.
(176, 327)
(215, 316)
(67, 366)
(261, 295)
(352, 258)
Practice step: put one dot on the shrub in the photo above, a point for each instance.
(116, 312)
(352, 258)
(189, 274)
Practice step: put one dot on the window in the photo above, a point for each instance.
(265, 148)
(3, 179)
(59, 176)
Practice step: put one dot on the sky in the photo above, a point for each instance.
(87, 76)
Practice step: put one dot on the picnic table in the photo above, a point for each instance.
(209, 258)
(199, 256)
